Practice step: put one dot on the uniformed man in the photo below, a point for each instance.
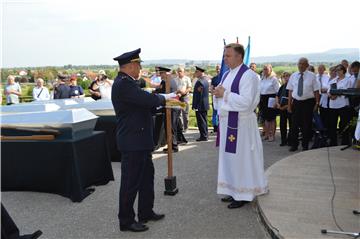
(175, 113)
(134, 135)
(201, 102)
(62, 90)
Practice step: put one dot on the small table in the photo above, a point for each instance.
(66, 167)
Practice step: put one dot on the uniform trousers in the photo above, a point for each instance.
(8, 227)
(201, 119)
(137, 177)
(175, 117)
(159, 131)
(302, 118)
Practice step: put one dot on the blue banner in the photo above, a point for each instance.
(247, 54)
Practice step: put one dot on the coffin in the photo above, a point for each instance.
(71, 123)
(100, 107)
(26, 107)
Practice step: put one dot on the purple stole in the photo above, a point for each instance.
(232, 129)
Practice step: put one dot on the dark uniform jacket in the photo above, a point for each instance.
(162, 87)
(162, 90)
(62, 91)
(133, 108)
(201, 95)
(215, 81)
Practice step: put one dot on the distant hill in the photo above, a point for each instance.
(333, 55)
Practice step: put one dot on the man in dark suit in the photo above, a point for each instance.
(9, 230)
(201, 102)
(160, 121)
(134, 135)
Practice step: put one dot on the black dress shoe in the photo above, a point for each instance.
(135, 227)
(182, 142)
(35, 235)
(237, 204)
(175, 150)
(227, 199)
(293, 149)
(283, 144)
(153, 217)
(201, 139)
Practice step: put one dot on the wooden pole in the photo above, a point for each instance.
(169, 131)
(170, 180)
(28, 137)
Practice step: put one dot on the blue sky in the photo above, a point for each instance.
(44, 32)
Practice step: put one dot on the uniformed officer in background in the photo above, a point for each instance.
(160, 121)
(134, 135)
(201, 102)
(62, 89)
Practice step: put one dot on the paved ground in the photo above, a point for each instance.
(195, 212)
(299, 202)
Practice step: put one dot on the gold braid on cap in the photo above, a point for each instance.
(136, 60)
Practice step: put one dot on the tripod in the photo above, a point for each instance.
(352, 234)
(351, 134)
(355, 212)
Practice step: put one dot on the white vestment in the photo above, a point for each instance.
(241, 175)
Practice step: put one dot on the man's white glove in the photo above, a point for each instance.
(168, 96)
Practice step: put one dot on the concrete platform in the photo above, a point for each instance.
(301, 191)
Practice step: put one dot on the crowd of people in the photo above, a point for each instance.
(304, 97)
(279, 96)
(301, 99)
(64, 87)
(181, 86)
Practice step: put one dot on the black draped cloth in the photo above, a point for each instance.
(67, 167)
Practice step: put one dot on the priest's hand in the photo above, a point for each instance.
(219, 91)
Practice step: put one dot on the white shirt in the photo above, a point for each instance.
(105, 89)
(340, 101)
(12, 98)
(44, 95)
(183, 83)
(269, 85)
(324, 85)
(310, 85)
(353, 81)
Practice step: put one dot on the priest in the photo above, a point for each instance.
(241, 164)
